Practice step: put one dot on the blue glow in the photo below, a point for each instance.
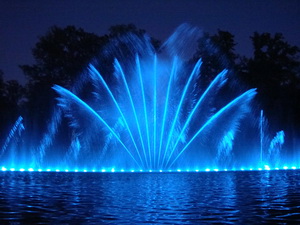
(93, 71)
(119, 68)
(174, 66)
(194, 72)
(114, 170)
(267, 167)
(64, 92)
(150, 112)
(242, 99)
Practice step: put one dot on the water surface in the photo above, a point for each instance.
(170, 198)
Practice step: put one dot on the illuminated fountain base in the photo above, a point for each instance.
(115, 170)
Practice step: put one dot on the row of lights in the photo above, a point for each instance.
(266, 167)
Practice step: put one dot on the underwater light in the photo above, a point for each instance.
(267, 167)
(114, 170)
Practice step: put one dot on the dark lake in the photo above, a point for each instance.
(164, 198)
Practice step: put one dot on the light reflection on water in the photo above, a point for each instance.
(175, 198)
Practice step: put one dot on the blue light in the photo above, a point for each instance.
(132, 171)
(113, 170)
(267, 167)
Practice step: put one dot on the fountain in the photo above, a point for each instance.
(136, 107)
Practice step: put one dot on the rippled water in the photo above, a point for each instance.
(171, 198)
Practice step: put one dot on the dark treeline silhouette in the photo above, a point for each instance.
(63, 53)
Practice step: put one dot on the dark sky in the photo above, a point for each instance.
(22, 21)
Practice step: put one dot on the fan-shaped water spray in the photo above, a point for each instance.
(139, 107)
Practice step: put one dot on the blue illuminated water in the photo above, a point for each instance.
(135, 107)
(135, 198)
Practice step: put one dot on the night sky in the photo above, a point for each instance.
(21, 22)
